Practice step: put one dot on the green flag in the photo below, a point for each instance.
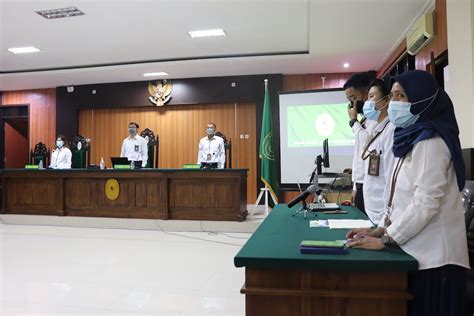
(266, 153)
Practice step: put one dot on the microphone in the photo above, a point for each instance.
(311, 189)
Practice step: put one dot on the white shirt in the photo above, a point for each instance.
(361, 136)
(377, 188)
(213, 147)
(135, 149)
(61, 158)
(427, 213)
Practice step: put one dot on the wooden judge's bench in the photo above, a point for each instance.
(190, 194)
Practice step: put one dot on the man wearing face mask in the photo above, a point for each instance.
(355, 89)
(377, 154)
(134, 147)
(61, 156)
(211, 149)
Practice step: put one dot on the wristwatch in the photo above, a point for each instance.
(386, 240)
(352, 122)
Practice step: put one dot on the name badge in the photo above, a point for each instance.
(208, 157)
(137, 148)
(374, 164)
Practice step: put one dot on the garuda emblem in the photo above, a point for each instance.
(160, 93)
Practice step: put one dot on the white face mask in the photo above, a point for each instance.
(59, 143)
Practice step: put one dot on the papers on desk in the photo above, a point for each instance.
(341, 223)
(349, 223)
(320, 223)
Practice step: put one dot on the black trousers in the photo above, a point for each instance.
(359, 201)
(438, 292)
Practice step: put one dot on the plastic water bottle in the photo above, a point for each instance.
(132, 165)
(102, 164)
(40, 165)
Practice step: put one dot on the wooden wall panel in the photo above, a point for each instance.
(438, 45)
(180, 128)
(42, 113)
(16, 145)
(394, 57)
(440, 42)
(245, 149)
(314, 81)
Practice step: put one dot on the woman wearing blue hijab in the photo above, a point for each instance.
(424, 214)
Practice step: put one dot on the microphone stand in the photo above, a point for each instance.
(304, 206)
(303, 210)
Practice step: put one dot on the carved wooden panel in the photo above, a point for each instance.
(34, 196)
(320, 293)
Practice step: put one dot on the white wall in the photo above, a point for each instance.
(460, 19)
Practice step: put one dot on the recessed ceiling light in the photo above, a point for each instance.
(207, 33)
(155, 74)
(346, 65)
(23, 50)
(60, 13)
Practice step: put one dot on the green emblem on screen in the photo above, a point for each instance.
(267, 148)
(309, 125)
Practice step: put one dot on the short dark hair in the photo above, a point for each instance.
(63, 138)
(359, 81)
(133, 123)
(381, 85)
(212, 123)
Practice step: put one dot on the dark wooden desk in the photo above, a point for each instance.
(279, 281)
(145, 193)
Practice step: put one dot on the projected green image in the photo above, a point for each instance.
(309, 125)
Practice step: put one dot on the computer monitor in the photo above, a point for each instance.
(326, 153)
(119, 161)
(324, 159)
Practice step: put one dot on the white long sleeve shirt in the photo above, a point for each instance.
(377, 188)
(427, 213)
(135, 149)
(213, 149)
(361, 135)
(61, 158)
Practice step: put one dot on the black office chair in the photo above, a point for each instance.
(153, 143)
(468, 204)
(228, 150)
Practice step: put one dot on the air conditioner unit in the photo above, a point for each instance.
(420, 34)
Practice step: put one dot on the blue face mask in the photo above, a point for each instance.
(370, 112)
(211, 131)
(59, 143)
(400, 115)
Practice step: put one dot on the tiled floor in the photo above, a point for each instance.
(47, 270)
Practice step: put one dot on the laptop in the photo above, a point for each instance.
(119, 161)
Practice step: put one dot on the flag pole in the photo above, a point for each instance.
(265, 191)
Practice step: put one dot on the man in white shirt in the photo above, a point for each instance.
(135, 147)
(61, 157)
(377, 155)
(211, 148)
(356, 90)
